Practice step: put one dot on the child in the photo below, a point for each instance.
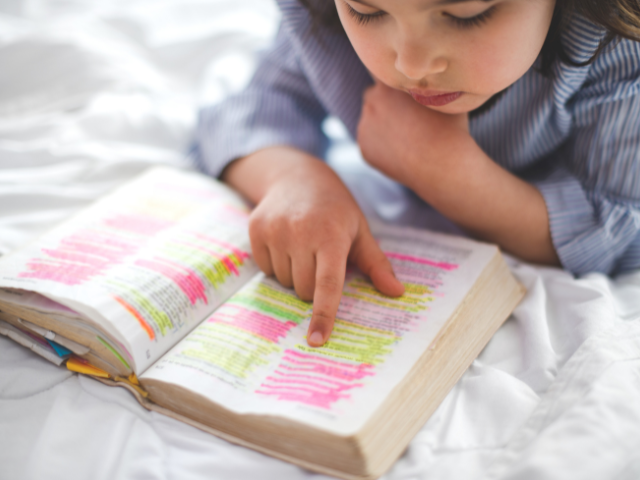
(517, 119)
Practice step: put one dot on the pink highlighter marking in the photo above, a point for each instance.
(312, 397)
(88, 253)
(230, 266)
(92, 247)
(315, 358)
(67, 274)
(191, 278)
(253, 322)
(284, 377)
(313, 380)
(423, 261)
(338, 373)
(80, 257)
(189, 283)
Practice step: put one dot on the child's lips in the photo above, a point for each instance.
(434, 98)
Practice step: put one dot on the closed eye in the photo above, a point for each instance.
(474, 21)
(363, 18)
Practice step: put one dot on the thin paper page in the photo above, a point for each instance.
(251, 355)
(148, 262)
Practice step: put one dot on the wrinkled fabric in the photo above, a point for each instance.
(91, 93)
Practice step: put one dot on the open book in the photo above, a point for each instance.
(153, 288)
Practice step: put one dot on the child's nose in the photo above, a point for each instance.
(416, 61)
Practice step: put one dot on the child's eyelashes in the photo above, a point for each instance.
(474, 21)
(459, 22)
(363, 18)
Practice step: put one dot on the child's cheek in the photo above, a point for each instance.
(372, 46)
(508, 47)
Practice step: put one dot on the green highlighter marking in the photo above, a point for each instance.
(112, 350)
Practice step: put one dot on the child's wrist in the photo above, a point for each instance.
(255, 174)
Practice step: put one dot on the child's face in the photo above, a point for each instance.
(450, 55)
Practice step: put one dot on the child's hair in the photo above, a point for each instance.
(620, 18)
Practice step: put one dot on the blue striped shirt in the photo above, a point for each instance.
(575, 136)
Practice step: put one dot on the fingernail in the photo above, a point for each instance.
(316, 338)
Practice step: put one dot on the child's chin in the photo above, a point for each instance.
(467, 103)
(452, 108)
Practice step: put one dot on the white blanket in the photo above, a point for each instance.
(94, 91)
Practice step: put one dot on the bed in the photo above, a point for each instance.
(92, 92)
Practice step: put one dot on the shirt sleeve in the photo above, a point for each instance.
(278, 107)
(593, 194)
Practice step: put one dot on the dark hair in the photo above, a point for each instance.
(620, 18)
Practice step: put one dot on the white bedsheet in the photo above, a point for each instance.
(94, 91)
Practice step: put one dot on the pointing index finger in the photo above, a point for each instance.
(330, 273)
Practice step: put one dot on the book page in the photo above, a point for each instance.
(251, 355)
(147, 262)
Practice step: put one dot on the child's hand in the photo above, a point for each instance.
(434, 155)
(304, 229)
(397, 135)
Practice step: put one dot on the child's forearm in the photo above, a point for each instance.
(433, 154)
(482, 197)
(255, 174)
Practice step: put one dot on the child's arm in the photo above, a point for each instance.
(583, 214)
(305, 227)
(434, 155)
